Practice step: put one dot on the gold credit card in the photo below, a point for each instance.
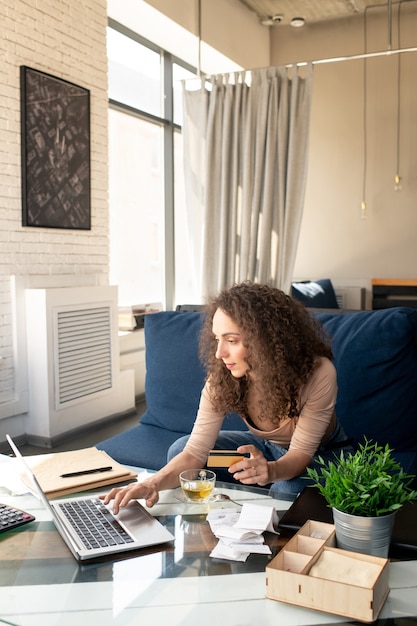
(223, 458)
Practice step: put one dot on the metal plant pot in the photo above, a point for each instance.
(368, 535)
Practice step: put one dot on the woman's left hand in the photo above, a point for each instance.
(253, 470)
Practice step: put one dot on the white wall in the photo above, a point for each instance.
(335, 242)
(226, 25)
(66, 39)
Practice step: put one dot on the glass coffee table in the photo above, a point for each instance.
(41, 584)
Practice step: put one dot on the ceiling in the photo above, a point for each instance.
(283, 11)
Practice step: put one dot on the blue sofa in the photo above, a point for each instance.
(375, 357)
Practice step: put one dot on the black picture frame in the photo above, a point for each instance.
(55, 136)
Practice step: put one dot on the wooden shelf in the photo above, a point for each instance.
(393, 292)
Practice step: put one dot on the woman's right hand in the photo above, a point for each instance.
(121, 496)
(148, 490)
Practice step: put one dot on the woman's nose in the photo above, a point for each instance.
(220, 352)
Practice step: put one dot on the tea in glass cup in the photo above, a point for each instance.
(197, 484)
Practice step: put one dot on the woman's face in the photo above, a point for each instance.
(230, 348)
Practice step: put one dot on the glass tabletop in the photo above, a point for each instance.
(36, 554)
(177, 582)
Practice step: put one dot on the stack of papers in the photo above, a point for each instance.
(63, 473)
(241, 533)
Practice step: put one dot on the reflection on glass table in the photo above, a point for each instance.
(177, 583)
(37, 555)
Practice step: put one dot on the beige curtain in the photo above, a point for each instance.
(245, 156)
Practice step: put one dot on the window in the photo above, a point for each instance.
(149, 242)
(136, 185)
(134, 73)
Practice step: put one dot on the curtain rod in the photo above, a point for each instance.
(353, 57)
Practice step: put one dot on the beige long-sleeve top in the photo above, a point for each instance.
(304, 433)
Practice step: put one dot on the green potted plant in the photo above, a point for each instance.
(364, 489)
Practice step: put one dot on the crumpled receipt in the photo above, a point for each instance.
(240, 533)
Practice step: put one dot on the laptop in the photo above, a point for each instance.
(89, 527)
(310, 504)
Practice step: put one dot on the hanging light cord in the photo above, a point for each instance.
(199, 40)
(365, 142)
(397, 186)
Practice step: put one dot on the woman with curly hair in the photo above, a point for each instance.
(270, 361)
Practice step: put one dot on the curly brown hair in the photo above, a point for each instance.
(283, 343)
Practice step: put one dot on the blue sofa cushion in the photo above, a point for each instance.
(141, 446)
(318, 294)
(376, 363)
(174, 374)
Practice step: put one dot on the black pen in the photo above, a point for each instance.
(89, 471)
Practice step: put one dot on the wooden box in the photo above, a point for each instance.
(311, 572)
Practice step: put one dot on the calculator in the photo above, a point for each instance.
(10, 517)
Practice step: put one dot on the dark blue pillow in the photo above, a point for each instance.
(175, 375)
(376, 363)
(318, 294)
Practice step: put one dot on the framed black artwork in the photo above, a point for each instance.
(55, 119)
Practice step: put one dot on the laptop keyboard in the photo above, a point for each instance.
(10, 517)
(94, 523)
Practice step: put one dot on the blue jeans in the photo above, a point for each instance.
(230, 440)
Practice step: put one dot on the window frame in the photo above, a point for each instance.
(169, 127)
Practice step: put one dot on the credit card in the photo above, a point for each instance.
(224, 458)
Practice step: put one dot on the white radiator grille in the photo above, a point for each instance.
(350, 298)
(83, 363)
(340, 298)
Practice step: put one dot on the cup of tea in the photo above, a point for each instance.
(197, 484)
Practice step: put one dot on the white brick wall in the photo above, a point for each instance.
(65, 38)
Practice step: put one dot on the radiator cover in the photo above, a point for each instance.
(73, 359)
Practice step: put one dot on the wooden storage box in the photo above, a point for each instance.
(311, 572)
